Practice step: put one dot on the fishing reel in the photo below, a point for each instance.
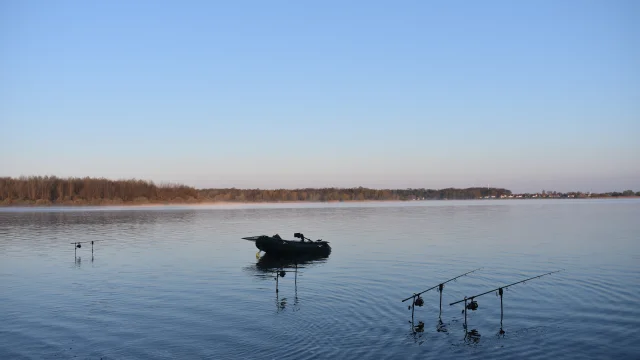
(473, 305)
(417, 301)
(282, 273)
(78, 246)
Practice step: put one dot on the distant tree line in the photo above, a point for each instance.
(51, 190)
(616, 194)
(344, 194)
(43, 190)
(579, 194)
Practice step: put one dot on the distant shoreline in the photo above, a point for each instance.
(231, 203)
(42, 191)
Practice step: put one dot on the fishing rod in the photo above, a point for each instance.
(83, 242)
(473, 305)
(417, 300)
(504, 287)
(441, 284)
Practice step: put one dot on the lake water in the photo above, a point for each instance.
(180, 283)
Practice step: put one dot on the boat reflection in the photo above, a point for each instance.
(267, 263)
(277, 268)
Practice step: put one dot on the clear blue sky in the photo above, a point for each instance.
(527, 95)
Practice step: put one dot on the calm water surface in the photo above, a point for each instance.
(179, 283)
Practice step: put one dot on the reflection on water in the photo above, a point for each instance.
(417, 333)
(472, 336)
(268, 262)
(441, 327)
(279, 266)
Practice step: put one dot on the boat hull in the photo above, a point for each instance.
(282, 247)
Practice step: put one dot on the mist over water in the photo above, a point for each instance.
(179, 282)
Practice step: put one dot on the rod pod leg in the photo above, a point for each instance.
(501, 311)
(440, 287)
(413, 308)
(465, 314)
